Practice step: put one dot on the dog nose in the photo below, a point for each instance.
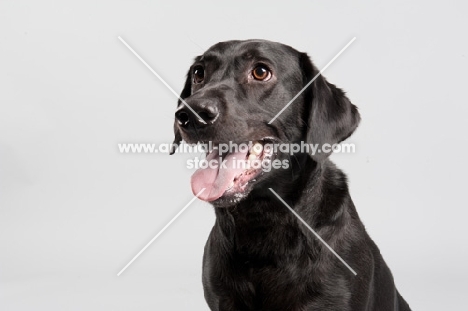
(198, 114)
(182, 116)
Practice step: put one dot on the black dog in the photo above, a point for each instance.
(259, 256)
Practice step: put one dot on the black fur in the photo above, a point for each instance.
(258, 255)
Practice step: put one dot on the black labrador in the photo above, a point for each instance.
(259, 256)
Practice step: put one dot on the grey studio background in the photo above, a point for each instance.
(74, 211)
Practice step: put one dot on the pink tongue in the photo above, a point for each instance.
(216, 178)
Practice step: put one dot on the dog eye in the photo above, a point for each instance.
(261, 73)
(198, 74)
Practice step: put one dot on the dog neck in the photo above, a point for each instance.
(262, 221)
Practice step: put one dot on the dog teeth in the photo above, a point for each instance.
(256, 149)
(252, 157)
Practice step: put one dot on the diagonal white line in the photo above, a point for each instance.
(313, 79)
(202, 49)
(161, 79)
(160, 232)
(312, 230)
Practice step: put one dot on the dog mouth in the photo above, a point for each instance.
(226, 177)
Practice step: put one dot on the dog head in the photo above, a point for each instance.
(232, 96)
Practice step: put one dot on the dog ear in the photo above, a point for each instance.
(186, 92)
(331, 116)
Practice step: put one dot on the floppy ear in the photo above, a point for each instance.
(186, 92)
(331, 116)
